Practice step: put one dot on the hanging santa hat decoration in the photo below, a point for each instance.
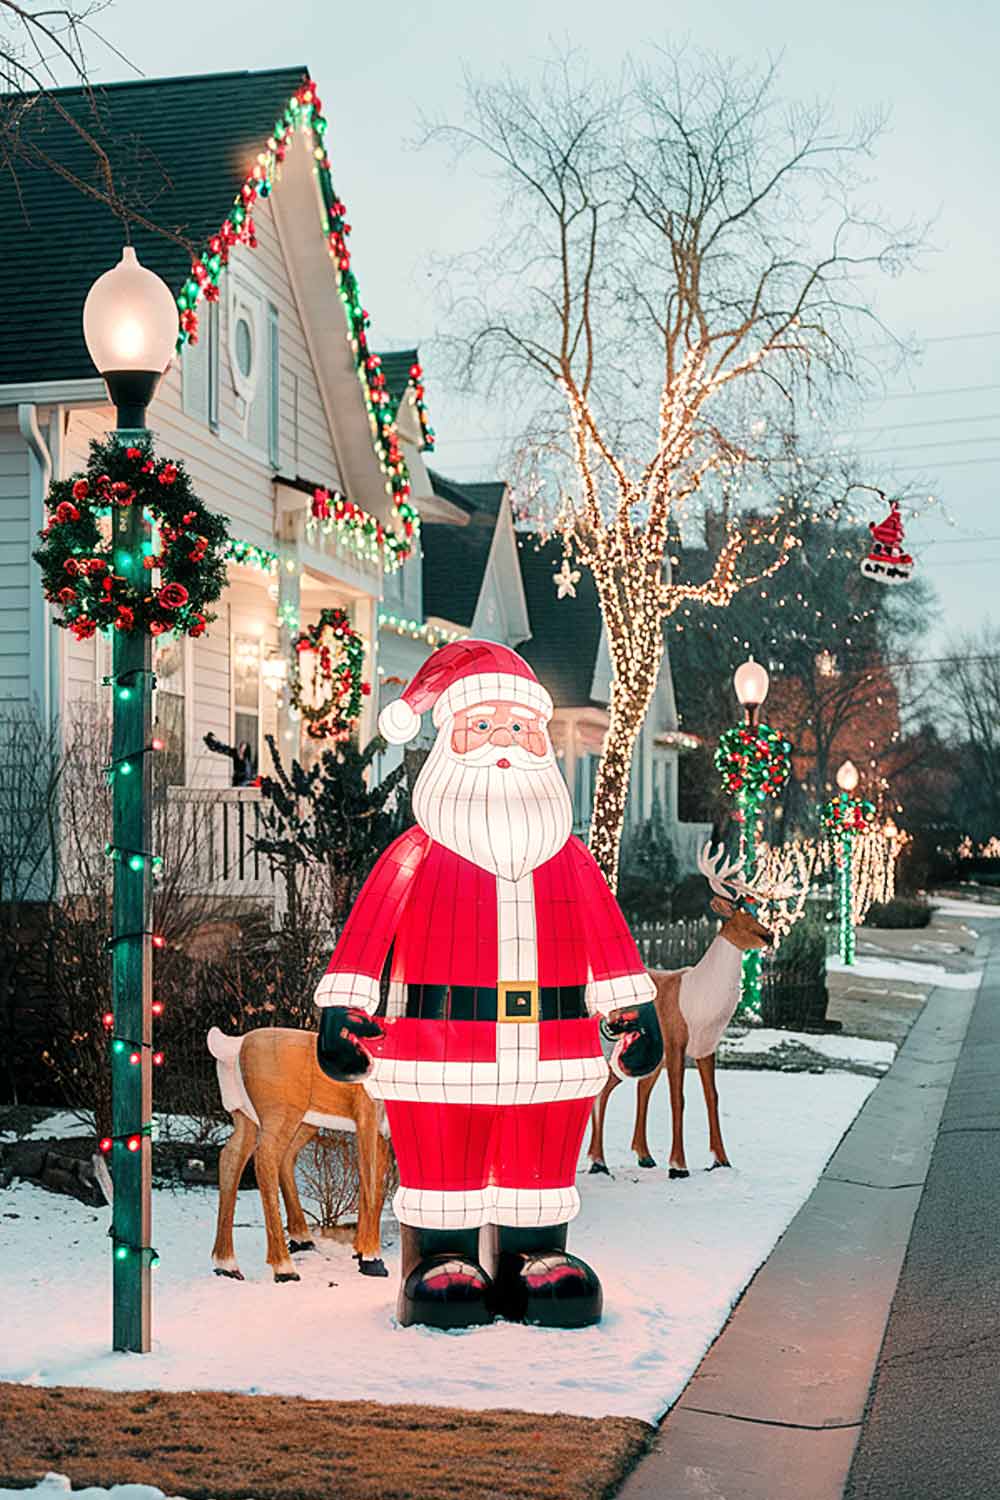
(886, 561)
(459, 676)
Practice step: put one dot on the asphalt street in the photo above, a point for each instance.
(931, 1430)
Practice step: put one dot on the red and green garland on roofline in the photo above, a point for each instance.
(304, 111)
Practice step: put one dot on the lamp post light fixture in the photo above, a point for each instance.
(130, 328)
(751, 683)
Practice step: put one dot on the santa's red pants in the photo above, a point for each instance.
(463, 1165)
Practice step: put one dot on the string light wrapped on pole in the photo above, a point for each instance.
(844, 818)
(130, 327)
(755, 762)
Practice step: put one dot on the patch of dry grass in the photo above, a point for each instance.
(213, 1445)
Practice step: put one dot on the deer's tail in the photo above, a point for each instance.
(226, 1051)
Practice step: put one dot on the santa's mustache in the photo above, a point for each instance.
(491, 755)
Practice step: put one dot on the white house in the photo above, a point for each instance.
(310, 443)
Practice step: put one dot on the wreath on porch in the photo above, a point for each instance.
(332, 679)
(84, 573)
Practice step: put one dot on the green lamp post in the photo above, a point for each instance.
(846, 818)
(751, 683)
(130, 327)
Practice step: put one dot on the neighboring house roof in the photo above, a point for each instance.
(180, 148)
(402, 371)
(455, 557)
(565, 633)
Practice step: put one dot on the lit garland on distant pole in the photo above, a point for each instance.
(844, 817)
(754, 761)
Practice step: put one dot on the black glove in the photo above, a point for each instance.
(337, 1053)
(640, 1046)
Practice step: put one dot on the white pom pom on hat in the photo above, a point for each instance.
(398, 723)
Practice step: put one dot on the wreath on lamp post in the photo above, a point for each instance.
(336, 682)
(97, 585)
(754, 762)
(847, 814)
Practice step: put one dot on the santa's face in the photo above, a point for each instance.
(491, 789)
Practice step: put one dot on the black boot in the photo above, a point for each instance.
(443, 1285)
(538, 1281)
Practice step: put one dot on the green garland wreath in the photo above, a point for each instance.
(81, 571)
(342, 678)
(847, 814)
(753, 760)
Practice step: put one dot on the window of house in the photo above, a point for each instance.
(170, 708)
(246, 708)
(253, 360)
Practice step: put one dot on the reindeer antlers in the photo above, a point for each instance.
(724, 877)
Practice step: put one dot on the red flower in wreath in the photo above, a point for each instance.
(168, 474)
(173, 596)
(66, 595)
(72, 567)
(66, 511)
(133, 453)
(122, 493)
(148, 466)
(126, 618)
(198, 628)
(81, 490)
(157, 627)
(83, 628)
(95, 565)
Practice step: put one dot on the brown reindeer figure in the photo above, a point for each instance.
(272, 1086)
(694, 1007)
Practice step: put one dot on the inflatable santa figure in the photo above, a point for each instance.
(507, 948)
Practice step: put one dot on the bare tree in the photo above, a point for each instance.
(661, 241)
(970, 694)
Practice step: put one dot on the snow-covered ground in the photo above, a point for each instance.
(949, 907)
(673, 1257)
(57, 1487)
(898, 969)
(831, 1045)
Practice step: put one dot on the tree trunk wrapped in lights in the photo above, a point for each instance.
(671, 226)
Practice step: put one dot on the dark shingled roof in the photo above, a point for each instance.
(180, 148)
(565, 633)
(455, 557)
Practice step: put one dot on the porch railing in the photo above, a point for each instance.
(217, 827)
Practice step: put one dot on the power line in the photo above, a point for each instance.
(929, 422)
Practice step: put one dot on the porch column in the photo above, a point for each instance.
(365, 618)
(289, 603)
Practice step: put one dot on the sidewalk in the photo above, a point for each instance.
(776, 1408)
(931, 1431)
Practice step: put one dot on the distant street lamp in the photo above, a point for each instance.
(843, 817)
(754, 761)
(130, 327)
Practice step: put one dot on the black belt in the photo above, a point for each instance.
(517, 1002)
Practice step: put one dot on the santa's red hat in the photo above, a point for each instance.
(459, 676)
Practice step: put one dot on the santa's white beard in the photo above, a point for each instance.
(508, 820)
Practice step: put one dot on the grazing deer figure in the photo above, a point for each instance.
(694, 1007)
(272, 1086)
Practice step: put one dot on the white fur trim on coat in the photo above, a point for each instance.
(357, 990)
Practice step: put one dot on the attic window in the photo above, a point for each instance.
(243, 337)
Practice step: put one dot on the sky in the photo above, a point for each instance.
(380, 67)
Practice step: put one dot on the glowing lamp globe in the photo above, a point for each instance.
(130, 327)
(751, 683)
(847, 776)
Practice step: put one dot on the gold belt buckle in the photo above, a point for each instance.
(517, 1002)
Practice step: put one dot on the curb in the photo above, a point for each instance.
(782, 1392)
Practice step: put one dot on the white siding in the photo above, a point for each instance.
(15, 561)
